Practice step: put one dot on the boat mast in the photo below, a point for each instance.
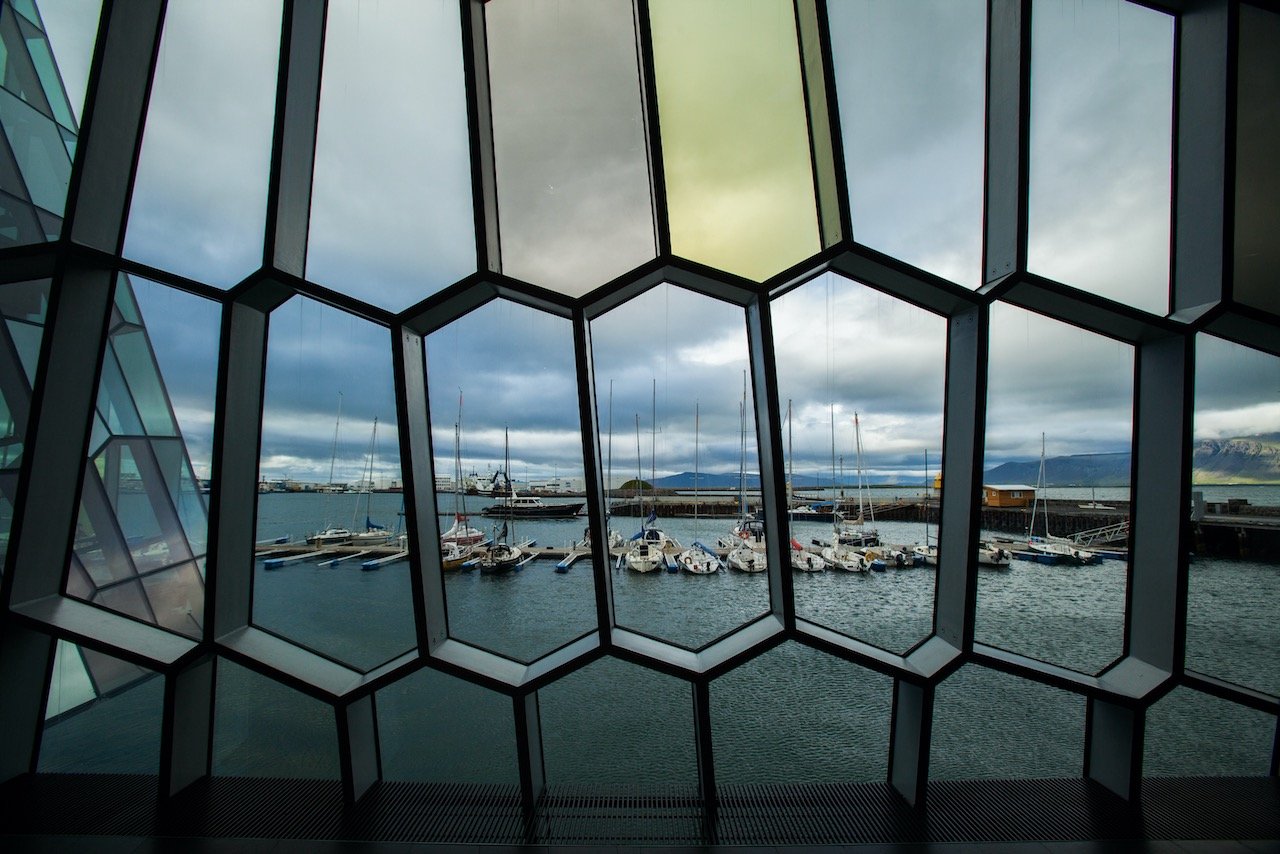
(857, 453)
(608, 487)
(639, 472)
(835, 507)
(695, 468)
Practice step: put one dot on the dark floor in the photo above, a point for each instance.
(114, 813)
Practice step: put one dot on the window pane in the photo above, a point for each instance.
(72, 28)
(735, 146)
(670, 371)
(1059, 435)
(199, 201)
(861, 378)
(39, 152)
(391, 216)
(575, 207)
(504, 402)
(912, 89)
(1257, 186)
(1101, 131)
(1189, 734)
(22, 310)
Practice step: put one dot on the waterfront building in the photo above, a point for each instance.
(620, 176)
(1008, 495)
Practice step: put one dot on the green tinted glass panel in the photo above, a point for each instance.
(117, 733)
(735, 144)
(25, 300)
(17, 73)
(143, 378)
(1257, 245)
(39, 150)
(569, 141)
(26, 340)
(42, 59)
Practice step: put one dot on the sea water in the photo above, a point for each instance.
(790, 715)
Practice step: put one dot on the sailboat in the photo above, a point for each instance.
(1051, 549)
(331, 535)
(839, 555)
(853, 532)
(928, 552)
(373, 534)
(461, 535)
(802, 560)
(746, 545)
(504, 555)
(697, 559)
(647, 548)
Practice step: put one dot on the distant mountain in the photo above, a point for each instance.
(1243, 459)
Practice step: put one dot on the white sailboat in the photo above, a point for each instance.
(697, 559)
(853, 532)
(1051, 549)
(928, 553)
(802, 560)
(503, 555)
(839, 555)
(371, 533)
(331, 535)
(647, 548)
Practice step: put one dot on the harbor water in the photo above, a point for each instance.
(789, 715)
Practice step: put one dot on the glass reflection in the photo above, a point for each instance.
(1101, 132)
(670, 371)
(391, 216)
(1189, 734)
(1056, 470)
(1257, 184)
(509, 480)
(735, 146)
(911, 84)
(575, 207)
(861, 378)
(331, 571)
(22, 317)
(211, 104)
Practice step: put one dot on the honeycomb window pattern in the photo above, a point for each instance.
(735, 140)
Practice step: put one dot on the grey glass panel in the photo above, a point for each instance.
(116, 734)
(51, 225)
(25, 300)
(670, 368)
(69, 685)
(264, 729)
(911, 84)
(391, 216)
(1101, 131)
(97, 543)
(28, 8)
(1189, 734)
(585, 715)
(17, 73)
(19, 225)
(42, 59)
(199, 200)
(984, 727)
(864, 378)
(184, 491)
(505, 372)
(26, 341)
(115, 404)
(329, 437)
(1257, 185)
(795, 715)
(1070, 392)
(574, 198)
(128, 598)
(40, 153)
(433, 727)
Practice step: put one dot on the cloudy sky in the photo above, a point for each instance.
(392, 223)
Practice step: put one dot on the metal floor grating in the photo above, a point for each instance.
(815, 814)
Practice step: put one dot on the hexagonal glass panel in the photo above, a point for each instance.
(331, 572)
(1101, 148)
(1190, 734)
(911, 81)
(575, 204)
(469, 736)
(735, 135)
(584, 713)
(1257, 185)
(102, 716)
(22, 317)
(212, 104)
(796, 715)
(976, 702)
(1056, 487)
(507, 440)
(680, 451)
(861, 379)
(262, 728)
(391, 214)
(141, 534)
(1233, 582)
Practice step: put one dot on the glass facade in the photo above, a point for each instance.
(476, 286)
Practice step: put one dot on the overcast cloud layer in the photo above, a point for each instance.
(912, 133)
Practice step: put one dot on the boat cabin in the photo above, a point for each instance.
(1008, 495)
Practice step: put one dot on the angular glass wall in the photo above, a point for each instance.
(199, 200)
(735, 134)
(1190, 734)
(1257, 184)
(103, 716)
(680, 452)
(262, 728)
(391, 215)
(141, 535)
(911, 85)
(586, 714)
(1233, 582)
(796, 715)
(1056, 489)
(507, 441)
(23, 306)
(331, 571)
(436, 728)
(1101, 148)
(39, 131)
(966, 716)
(575, 202)
(861, 379)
